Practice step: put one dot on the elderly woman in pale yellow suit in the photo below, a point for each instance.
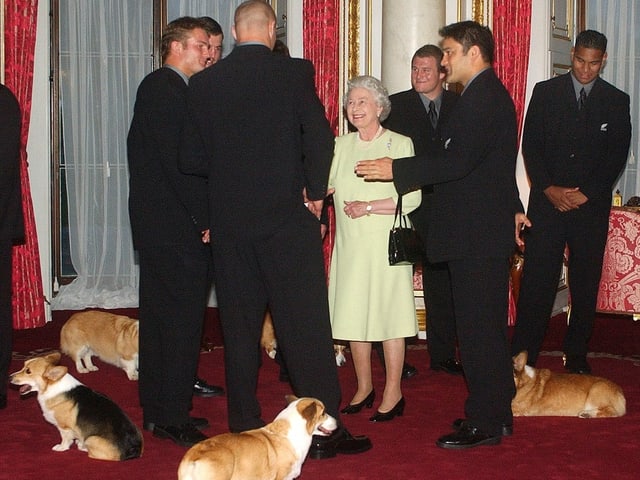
(370, 300)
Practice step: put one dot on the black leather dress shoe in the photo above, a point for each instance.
(450, 366)
(203, 389)
(356, 407)
(340, 441)
(198, 422)
(467, 437)
(185, 435)
(408, 371)
(577, 364)
(507, 429)
(396, 411)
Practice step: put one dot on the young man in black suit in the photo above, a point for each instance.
(11, 222)
(475, 201)
(168, 212)
(267, 153)
(419, 113)
(574, 149)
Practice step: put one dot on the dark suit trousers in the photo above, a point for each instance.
(441, 322)
(174, 285)
(584, 231)
(6, 312)
(285, 271)
(480, 299)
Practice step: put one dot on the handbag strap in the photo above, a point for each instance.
(403, 219)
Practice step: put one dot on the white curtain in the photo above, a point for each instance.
(619, 21)
(105, 51)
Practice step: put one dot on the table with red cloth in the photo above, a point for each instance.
(619, 290)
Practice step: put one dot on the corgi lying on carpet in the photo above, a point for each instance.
(275, 451)
(93, 421)
(269, 342)
(112, 338)
(541, 392)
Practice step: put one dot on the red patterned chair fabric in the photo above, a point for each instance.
(619, 290)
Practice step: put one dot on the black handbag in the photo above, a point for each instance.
(405, 245)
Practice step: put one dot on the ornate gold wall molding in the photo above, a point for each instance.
(353, 51)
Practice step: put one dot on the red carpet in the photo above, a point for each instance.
(541, 448)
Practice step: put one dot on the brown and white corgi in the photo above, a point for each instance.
(93, 421)
(541, 392)
(112, 338)
(275, 451)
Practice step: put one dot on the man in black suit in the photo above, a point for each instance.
(418, 113)
(11, 222)
(475, 201)
(169, 223)
(574, 149)
(268, 150)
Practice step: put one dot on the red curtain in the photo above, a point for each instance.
(321, 40)
(512, 32)
(20, 20)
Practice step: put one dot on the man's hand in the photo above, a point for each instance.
(521, 222)
(379, 169)
(565, 198)
(314, 206)
(206, 236)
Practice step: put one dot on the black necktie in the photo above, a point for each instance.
(582, 100)
(433, 114)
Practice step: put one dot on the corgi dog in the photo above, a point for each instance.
(275, 451)
(541, 392)
(93, 421)
(269, 342)
(112, 338)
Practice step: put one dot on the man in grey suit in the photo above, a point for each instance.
(575, 144)
(475, 201)
(419, 114)
(267, 150)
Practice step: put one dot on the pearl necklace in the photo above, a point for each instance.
(378, 133)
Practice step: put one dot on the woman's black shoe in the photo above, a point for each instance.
(356, 407)
(396, 411)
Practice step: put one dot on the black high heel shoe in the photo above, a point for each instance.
(396, 411)
(356, 407)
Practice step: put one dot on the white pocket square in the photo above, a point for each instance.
(603, 127)
(446, 143)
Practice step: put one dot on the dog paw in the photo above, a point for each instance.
(271, 354)
(60, 447)
(132, 375)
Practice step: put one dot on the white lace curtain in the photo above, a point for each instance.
(619, 20)
(105, 51)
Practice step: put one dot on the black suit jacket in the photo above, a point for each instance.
(409, 117)
(562, 147)
(475, 193)
(11, 219)
(250, 191)
(165, 205)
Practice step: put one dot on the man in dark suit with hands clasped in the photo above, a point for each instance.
(575, 144)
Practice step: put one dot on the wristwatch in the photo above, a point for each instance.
(369, 208)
